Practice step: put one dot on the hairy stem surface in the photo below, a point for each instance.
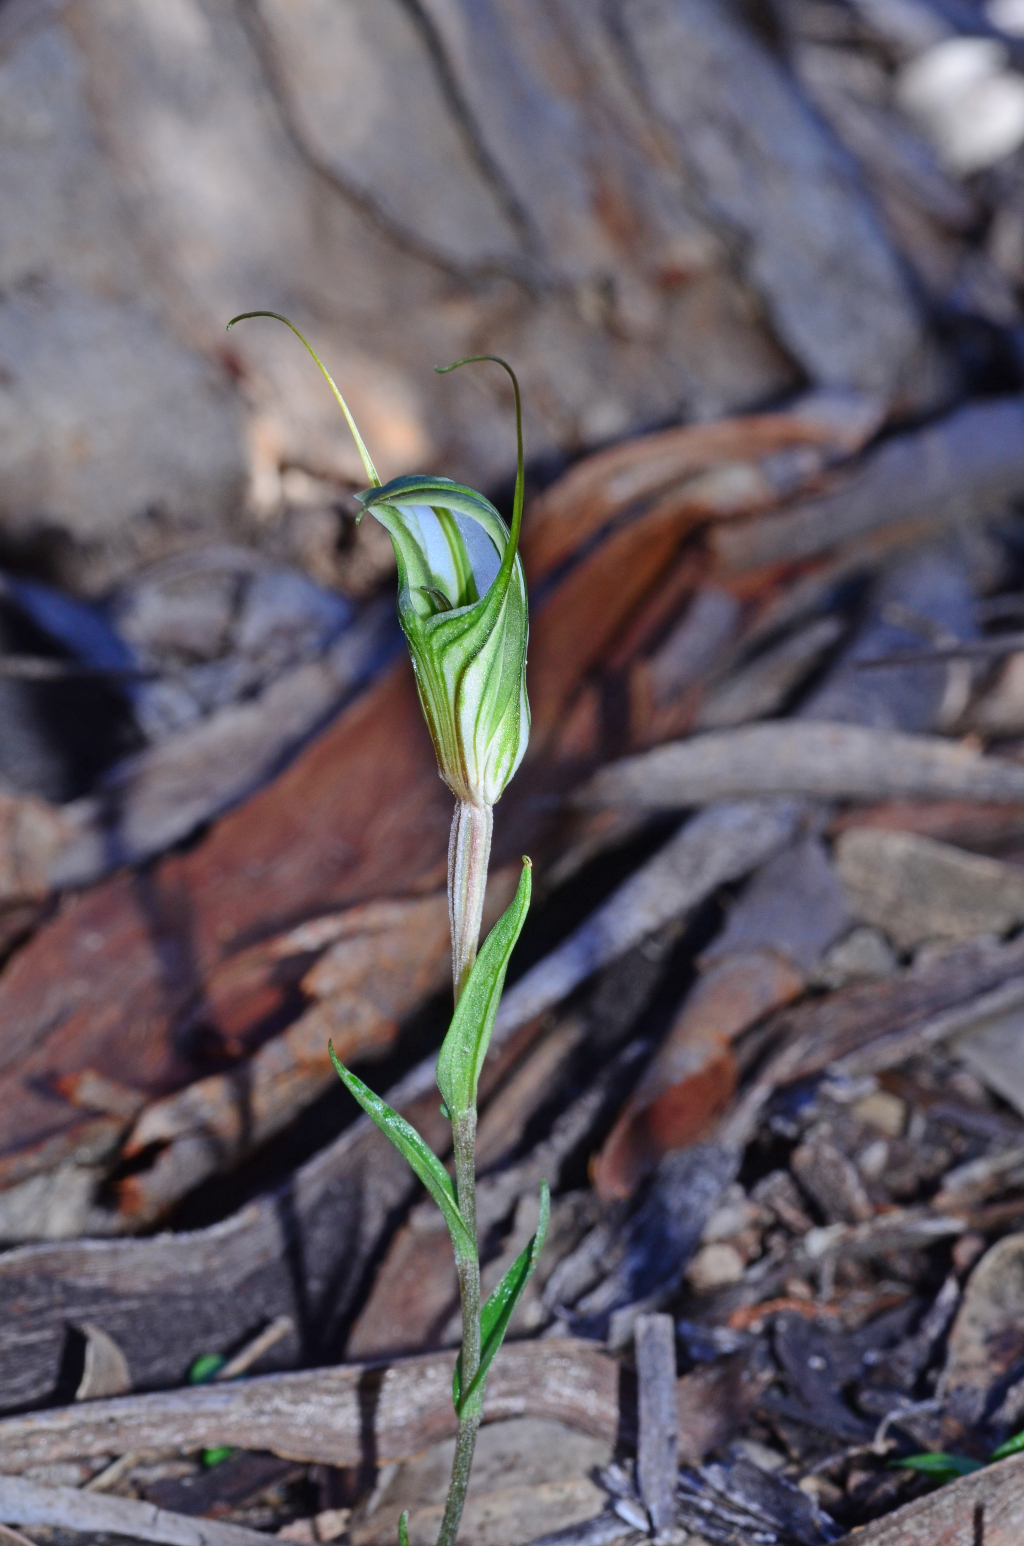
(464, 1136)
(465, 1444)
(469, 850)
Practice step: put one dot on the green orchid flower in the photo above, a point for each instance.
(462, 605)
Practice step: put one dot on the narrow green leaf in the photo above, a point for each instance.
(938, 1465)
(500, 1307)
(420, 1156)
(403, 1528)
(462, 1054)
(1011, 1447)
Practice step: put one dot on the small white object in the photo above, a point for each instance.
(106, 1371)
(715, 1266)
(633, 1513)
(1007, 15)
(817, 1242)
(964, 98)
(734, 1214)
(873, 1160)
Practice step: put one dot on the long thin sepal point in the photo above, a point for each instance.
(368, 467)
(517, 502)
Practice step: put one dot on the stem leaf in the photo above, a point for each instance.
(1011, 1447)
(403, 1528)
(462, 1054)
(500, 1307)
(420, 1156)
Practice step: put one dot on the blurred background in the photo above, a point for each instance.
(785, 229)
(659, 210)
(759, 265)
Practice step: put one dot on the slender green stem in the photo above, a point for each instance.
(464, 1136)
(465, 1444)
(469, 850)
(468, 854)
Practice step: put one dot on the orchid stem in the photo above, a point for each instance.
(469, 852)
(468, 1267)
(468, 855)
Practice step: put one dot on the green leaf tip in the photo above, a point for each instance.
(464, 1048)
(500, 1307)
(421, 1158)
(364, 455)
(1010, 1447)
(940, 1466)
(403, 1528)
(216, 1455)
(203, 1368)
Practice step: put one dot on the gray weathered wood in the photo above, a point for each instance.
(345, 1415)
(719, 845)
(657, 1454)
(886, 1051)
(160, 795)
(29, 1503)
(964, 467)
(602, 1531)
(985, 1509)
(915, 888)
(794, 757)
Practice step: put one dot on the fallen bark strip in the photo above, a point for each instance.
(720, 845)
(364, 986)
(817, 1034)
(714, 470)
(602, 1531)
(861, 1015)
(657, 1457)
(345, 1415)
(76, 994)
(827, 761)
(889, 1051)
(28, 1503)
(158, 796)
(902, 1229)
(962, 467)
(984, 1509)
